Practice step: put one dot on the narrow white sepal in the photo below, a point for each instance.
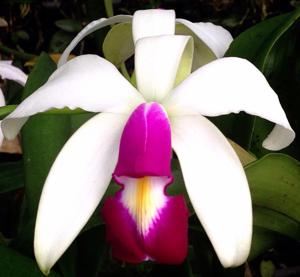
(76, 183)
(156, 22)
(217, 186)
(158, 60)
(215, 37)
(88, 82)
(90, 28)
(231, 85)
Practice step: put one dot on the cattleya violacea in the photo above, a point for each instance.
(132, 138)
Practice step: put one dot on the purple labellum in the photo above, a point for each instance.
(142, 221)
(145, 148)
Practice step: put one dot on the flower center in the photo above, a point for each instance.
(144, 198)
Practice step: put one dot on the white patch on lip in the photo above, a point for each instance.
(144, 198)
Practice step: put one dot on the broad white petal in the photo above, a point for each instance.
(161, 62)
(76, 183)
(90, 28)
(231, 85)
(10, 72)
(88, 82)
(217, 186)
(156, 22)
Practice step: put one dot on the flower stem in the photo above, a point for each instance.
(109, 8)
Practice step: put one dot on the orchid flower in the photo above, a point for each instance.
(131, 140)
(10, 72)
(211, 41)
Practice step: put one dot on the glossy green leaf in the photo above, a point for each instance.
(42, 137)
(11, 176)
(273, 46)
(276, 222)
(118, 44)
(13, 264)
(274, 182)
(256, 43)
(262, 241)
(6, 110)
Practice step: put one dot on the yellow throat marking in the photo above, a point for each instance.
(144, 197)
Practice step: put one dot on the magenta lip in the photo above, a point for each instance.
(145, 147)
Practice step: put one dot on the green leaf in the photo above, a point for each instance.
(13, 264)
(276, 222)
(11, 176)
(273, 46)
(42, 137)
(255, 44)
(69, 25)
(6, 110)
(262, 241)
(118, 44)
(274, 182)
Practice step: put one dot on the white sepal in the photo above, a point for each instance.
(90, 28)
(215, 37)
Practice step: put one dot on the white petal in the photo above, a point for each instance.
(10, 72)
(215, 37)
(88, 82)
(217, 186)
(160, 63)
(76, 183)
(90, 28)
(148, 23)
(231, 85)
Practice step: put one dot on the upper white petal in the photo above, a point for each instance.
(76, 183)
(156, 22)
(215, 37)
(10, 72)
(160, 63)
(90, 28)
(232, 85)
(217, 186)
(88, 82)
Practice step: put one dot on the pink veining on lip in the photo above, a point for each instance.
(142, 222)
